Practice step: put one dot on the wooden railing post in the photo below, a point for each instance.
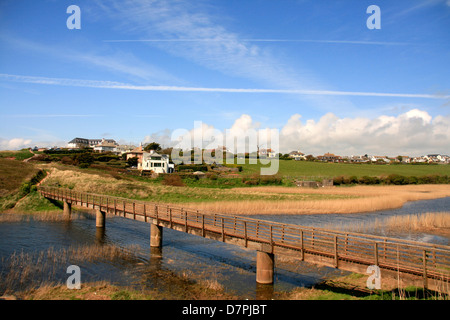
(302, 250)
(335, 252)
(375, 251)
(425, 277)
(245, 233)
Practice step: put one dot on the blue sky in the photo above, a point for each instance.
(136, 70)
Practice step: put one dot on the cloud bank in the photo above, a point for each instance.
(412, 133)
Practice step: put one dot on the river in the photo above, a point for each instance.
(234, 268)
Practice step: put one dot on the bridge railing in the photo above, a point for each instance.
(431, 260)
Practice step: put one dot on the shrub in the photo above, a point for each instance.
(172, 180)
(270, 180)
(212, 176)
(250, 180)
(67, 160)
(338, 180)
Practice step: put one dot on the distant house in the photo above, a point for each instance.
(329, 157)
(268, 153)
(158, 163)
(136, 152)
(379, 159)
(297, 155)
(78, 143)
(105, 146)
(123, 148)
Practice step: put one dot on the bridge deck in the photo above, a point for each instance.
(414, 262)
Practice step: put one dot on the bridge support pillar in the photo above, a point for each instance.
(156, 234)
(67, 209)
(264, 267)
(100, 218)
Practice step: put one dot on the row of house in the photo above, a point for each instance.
(330, 157)
(147, 161)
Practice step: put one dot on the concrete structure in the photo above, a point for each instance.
(264, 267)
(67, 209)
(100, 218)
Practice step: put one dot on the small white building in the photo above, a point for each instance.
(158, 163)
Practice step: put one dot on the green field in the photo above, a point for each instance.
(18, 155)
(310, 170)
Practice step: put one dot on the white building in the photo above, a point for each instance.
(158, 163)
(105, 146)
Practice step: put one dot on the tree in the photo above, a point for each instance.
(152, 146)
(132, 162)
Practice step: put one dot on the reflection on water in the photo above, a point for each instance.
(194, 257)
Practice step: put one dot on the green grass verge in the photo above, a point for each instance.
(310, 170)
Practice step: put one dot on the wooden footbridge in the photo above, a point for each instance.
(416, 263)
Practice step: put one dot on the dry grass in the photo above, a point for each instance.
(24, 271)
(52, 216)
(435, 222)
(353, 199)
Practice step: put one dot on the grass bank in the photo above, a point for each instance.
(354, 287)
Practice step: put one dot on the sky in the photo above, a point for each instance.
(138, 70)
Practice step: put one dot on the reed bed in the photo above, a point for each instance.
(429, 221)
(49, 216)
(353, 200)
(25, 271)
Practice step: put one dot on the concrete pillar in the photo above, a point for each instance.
(156, 234)
(100, 235)
(100, 218)
(67, 209)
(264, 267)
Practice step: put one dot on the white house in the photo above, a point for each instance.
(158, 163)
(105, 146)
(297, 155)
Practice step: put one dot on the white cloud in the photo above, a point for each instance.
(414, 132)
(14, 144)
(125, 86)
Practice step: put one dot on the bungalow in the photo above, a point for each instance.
(329, 157)
(297, 155)
(158, 163)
